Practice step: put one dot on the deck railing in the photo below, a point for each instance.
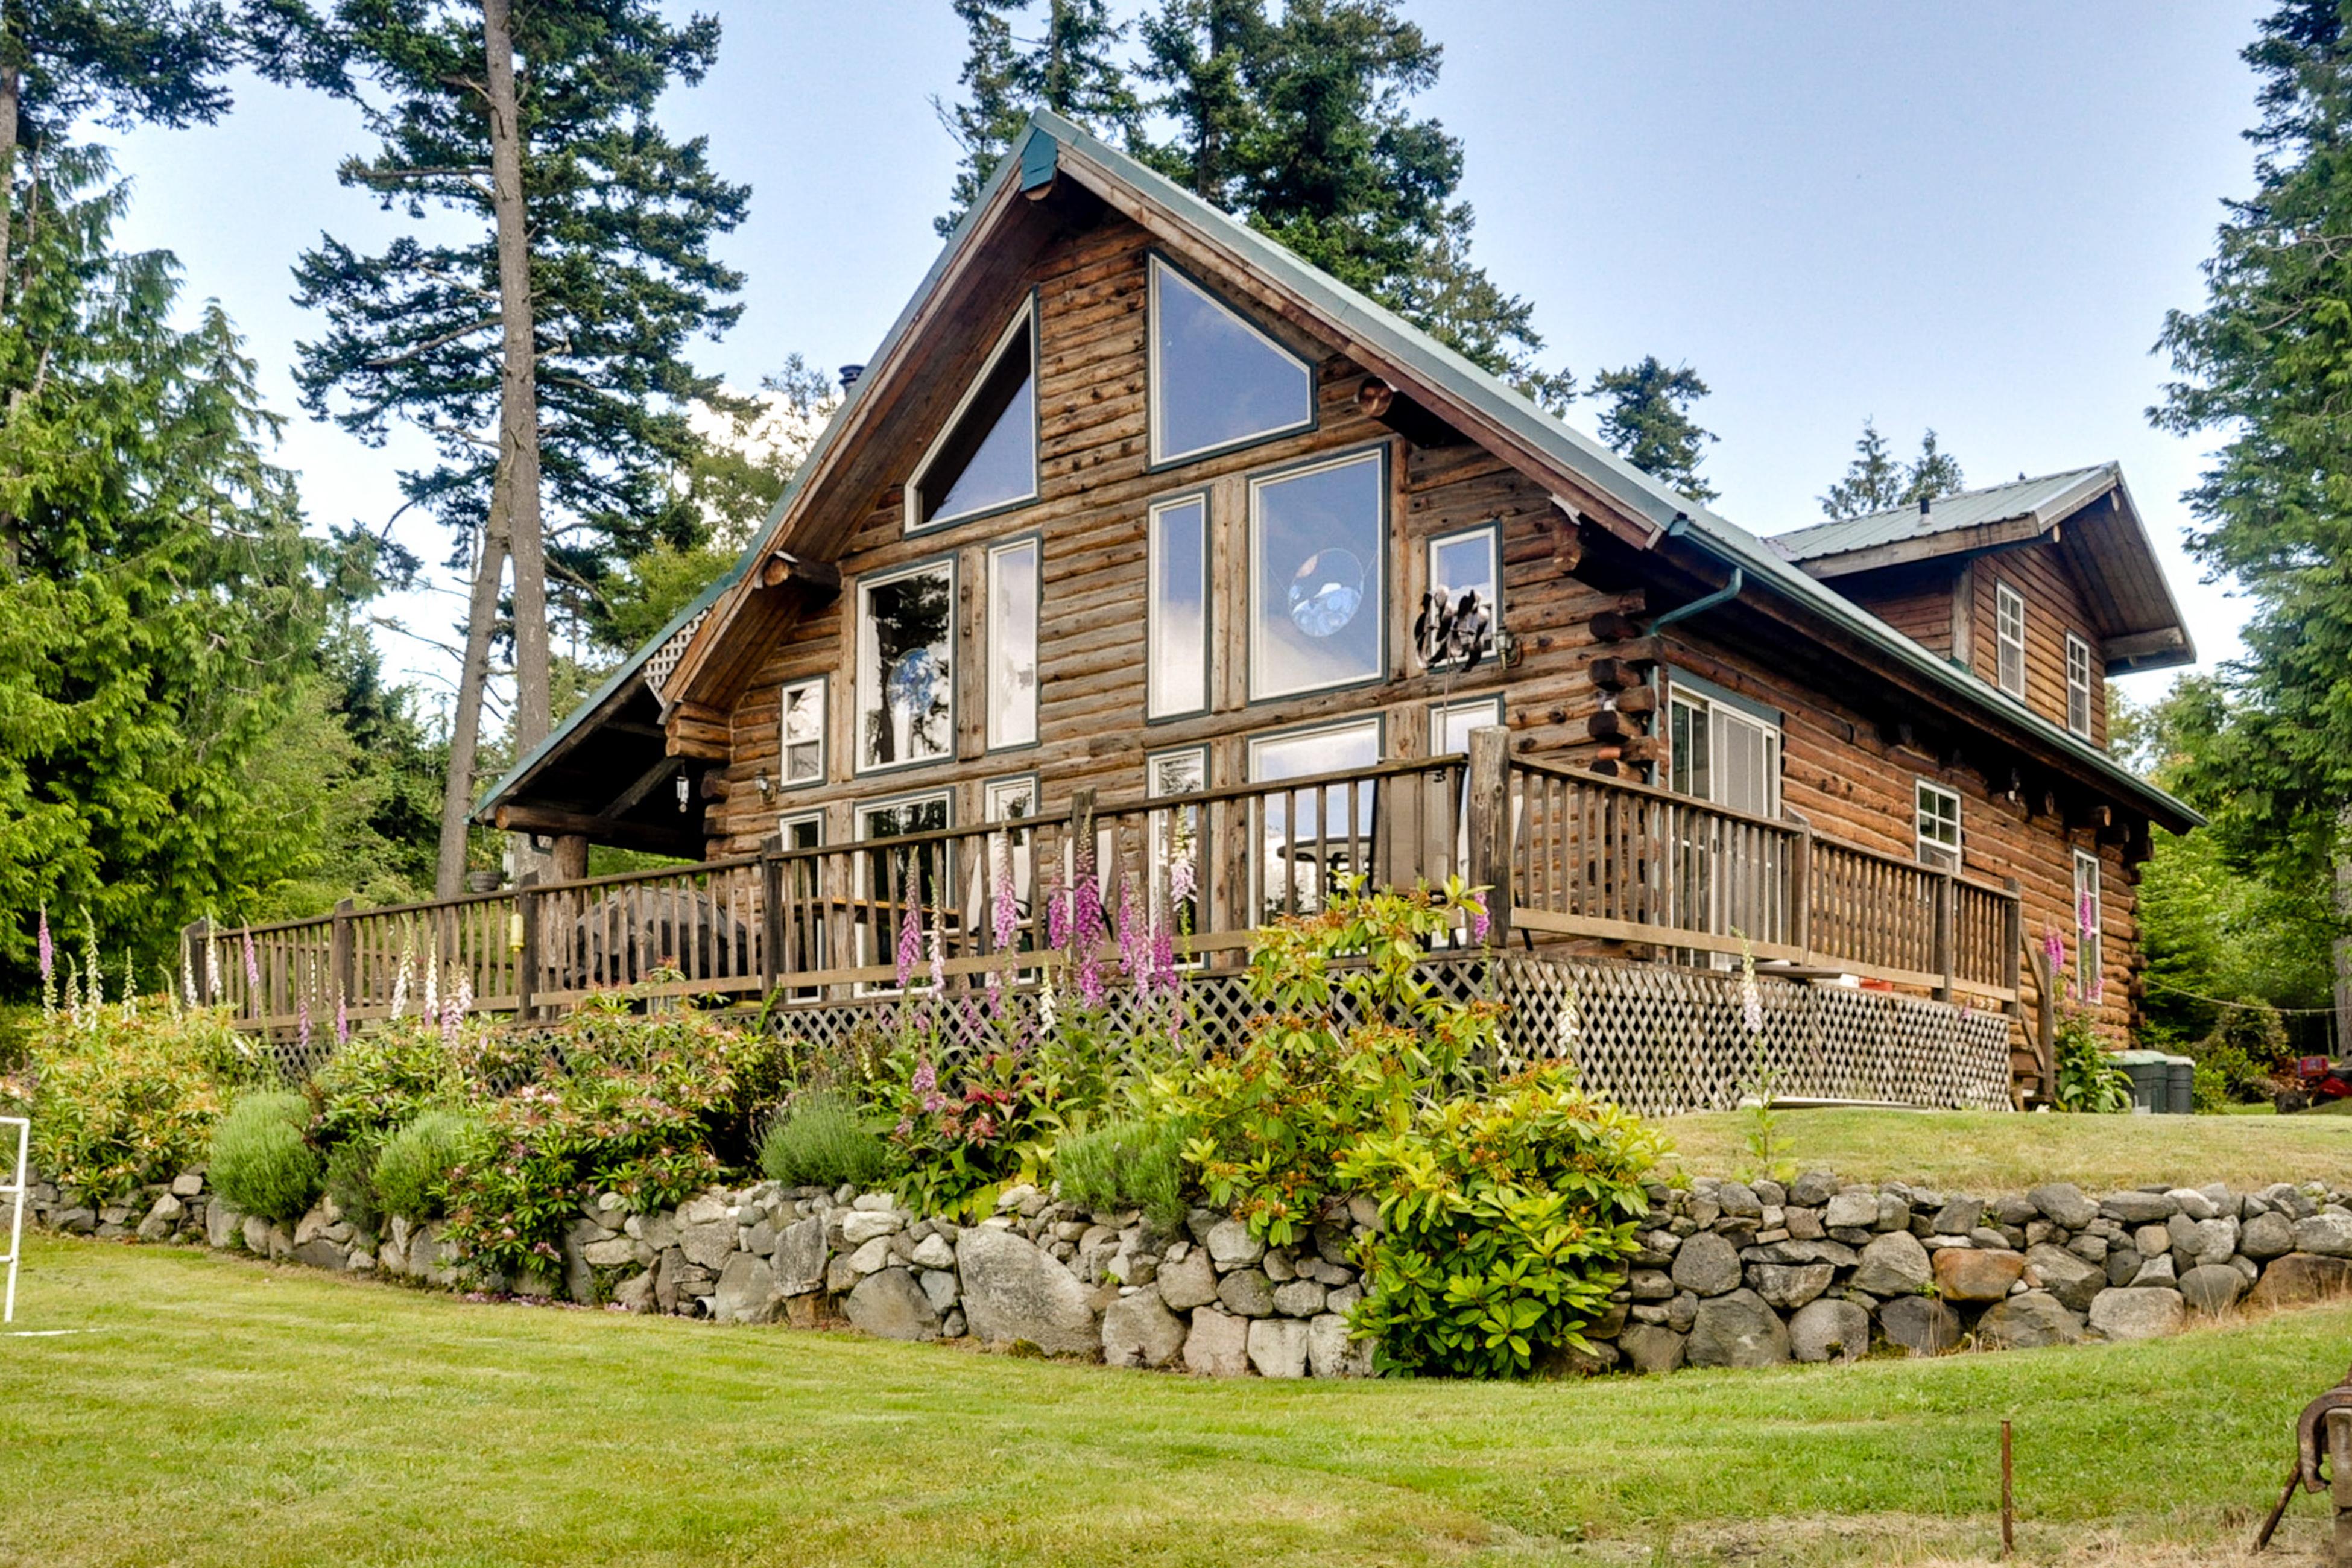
(818, 925)
(1570, 854)
(1607, 859)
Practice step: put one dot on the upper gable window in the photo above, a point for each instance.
(985, 459)
(1216, 380)
(1319, 540)
(2078, 686)
(2009, 635)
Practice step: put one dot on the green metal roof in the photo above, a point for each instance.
(1477, 392)
(2046, 498)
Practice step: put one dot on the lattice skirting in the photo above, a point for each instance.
(1656, 1038)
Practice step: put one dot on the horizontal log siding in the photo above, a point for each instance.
(1837, 774)
(2053, 606)
(1095, 487)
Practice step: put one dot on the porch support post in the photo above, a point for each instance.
(1800, 892)
(1488, 787)
(527, 956)
(771, 918)
(1942, 961)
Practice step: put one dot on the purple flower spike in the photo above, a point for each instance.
(911, 945)
(342, 1022)
(48, 947)
(252, 966)
(1480, 925)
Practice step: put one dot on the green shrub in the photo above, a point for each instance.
(377, 1082)
(623, 1103)
(262, 1162)
(1270, 1119)
(1507, 1221)
(820, 1141)
(411, 1173)
(2088, 1078)
(1126, 1165)
(119, 1102)
(350, 1183)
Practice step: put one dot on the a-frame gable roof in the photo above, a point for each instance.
(2087, 512)
(1586, 478)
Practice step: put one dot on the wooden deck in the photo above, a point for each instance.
(1582, 863)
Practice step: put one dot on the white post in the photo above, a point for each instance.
(23, 1180)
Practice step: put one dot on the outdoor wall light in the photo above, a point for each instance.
(767, 785)
(684, 789)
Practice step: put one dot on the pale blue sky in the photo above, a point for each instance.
(1966, 216)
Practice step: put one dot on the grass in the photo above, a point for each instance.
(220, 1411)
(1993, 1150)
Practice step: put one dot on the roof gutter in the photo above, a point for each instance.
(1681, 528)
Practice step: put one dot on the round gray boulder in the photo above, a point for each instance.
(1738, 1330)
(1829, 1329)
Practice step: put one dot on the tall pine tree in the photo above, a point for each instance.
(542, 339)
(1070, 66)
(2265, 361)
(1648, 422)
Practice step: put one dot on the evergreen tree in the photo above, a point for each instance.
(123, 60)
(1206, 57)
(163, 610)
(1070, 67)
(541, 338)
(2265, 361)
(1874, 481)
(1648, 422)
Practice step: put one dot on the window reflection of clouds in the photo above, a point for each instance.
(1317, 600)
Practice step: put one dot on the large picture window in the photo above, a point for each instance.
(2009, 634)
(986, 458)
(1013, 644)
(1176, 678)
(1216, 380)
(801, 761)
(1317, 569)
(905, 667)
(1938, 813)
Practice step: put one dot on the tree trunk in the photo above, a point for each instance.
(465, 724)
(514, 496)
(2343, 948)
(12, 77)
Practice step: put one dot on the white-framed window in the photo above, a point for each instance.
(2078, 686)
(1318, 575)
(802, 830)
(1176, 833)
(985, 459)
(1722, 750)
(1216, 380)
(2009, 637)
(900, 882)
(1938, 814)
(1176, 673)
(1010, 800)
(905, 667)
(1450, 723)
(801, 721)
(1013, 586)
(1466, 586)
(2090, 921)
(1308, 841)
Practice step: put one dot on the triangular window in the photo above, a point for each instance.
(986, 458)
(1216, 380)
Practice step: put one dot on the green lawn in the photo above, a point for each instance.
(1989, 1151)
(223, 1411)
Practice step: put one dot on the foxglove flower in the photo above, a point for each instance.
(252, 964)
(302, 1021)
(187, 979)
(1479, 924)
(400, 980)
(2054, 948)
(1046, 998)
(939, 955)
(343, 1020)
(49, 968)
(432, 980)
(1182, 878)
(1134, 941)
(911, 945)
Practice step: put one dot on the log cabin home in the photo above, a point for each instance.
(1132, 505)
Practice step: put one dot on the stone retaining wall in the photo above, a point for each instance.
(1728, 1275)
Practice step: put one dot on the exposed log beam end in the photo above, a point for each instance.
(1614, 627)
(820, 577)
(1400, 413)
(1625, 666)
(682, 842)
